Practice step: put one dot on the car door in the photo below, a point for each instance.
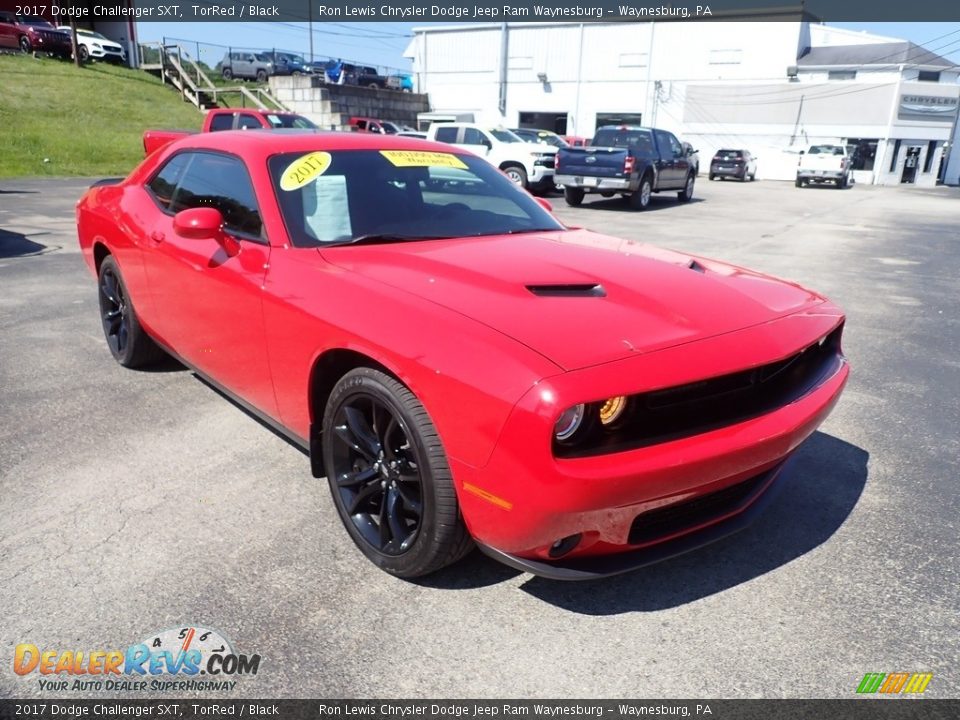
(673, 163)
(8, 31)
(206, 295)
(475, 141)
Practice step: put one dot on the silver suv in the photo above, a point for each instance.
(244, 64)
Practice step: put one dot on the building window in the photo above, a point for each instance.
(929, 76)
(618, 119)
(863, 152)
(842, 75)
(931, 149)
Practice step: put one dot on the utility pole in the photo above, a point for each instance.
(310, 28)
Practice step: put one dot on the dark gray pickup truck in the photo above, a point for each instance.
(633, 161)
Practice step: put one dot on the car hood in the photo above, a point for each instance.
(576, 297)
(541, 148)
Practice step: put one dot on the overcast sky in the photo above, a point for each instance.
(376, 43)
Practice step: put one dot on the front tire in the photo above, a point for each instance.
(129, 343)
(83, 53)
(517, 175)
(25, 44)
(573, 196)
(227, 73)
(389, 476)
(798, 183)
(261, 76)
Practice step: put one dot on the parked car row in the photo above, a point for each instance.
(252, 65)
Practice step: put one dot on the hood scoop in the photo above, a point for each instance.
(696, 267)
(568, 290)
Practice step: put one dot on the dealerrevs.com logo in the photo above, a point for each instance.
(179, 659)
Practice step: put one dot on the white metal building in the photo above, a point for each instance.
(770, 87)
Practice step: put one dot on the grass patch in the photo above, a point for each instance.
(82, 121)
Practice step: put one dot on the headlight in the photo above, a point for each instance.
(568, 423)
(612, 409)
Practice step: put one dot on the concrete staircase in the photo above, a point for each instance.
(331, 106)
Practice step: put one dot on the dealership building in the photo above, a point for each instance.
(772, 87)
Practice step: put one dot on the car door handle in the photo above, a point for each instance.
(157, 236)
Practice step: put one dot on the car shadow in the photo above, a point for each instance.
(13, 244)
(619, 204)
(818, 490)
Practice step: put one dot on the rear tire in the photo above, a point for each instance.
(712, 177)
(227, 73)
(129, 343)
(573, 196)
(640, 200)
(798, 183)
(686, 195)
(25, 44)
(389, 476)
(261, 76)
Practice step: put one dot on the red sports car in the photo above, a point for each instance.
(462, 367)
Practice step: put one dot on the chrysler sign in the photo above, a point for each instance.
(927, 107)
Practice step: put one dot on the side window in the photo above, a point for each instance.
(447, 134)
(472, 136)
(221, 182)
(362, 124)
(221, 121)
(247, 121)
(165, 181)
(6, 19)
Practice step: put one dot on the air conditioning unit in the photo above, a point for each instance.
(791, 71)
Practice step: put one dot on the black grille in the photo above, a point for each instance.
(672, 519)
(685, 410)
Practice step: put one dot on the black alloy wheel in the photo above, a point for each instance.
(389, 476)
(114, 312)
(129, 343)
(377, 473)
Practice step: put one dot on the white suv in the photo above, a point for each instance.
(529, 165)
(92, 44)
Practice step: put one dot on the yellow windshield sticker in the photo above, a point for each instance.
(418, 158)
(304, 170)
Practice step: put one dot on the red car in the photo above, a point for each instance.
(461, 366)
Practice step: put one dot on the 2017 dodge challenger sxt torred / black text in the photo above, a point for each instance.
(461, 366)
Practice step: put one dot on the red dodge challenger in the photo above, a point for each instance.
(463, 368)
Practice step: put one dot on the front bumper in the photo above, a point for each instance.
(541, 175)
(525, 500)
(589, 183)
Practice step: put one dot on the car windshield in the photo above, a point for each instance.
(615, 137)
(504, 135)
(826, 150)
(295, 59)
(289, 120)
(551, 139)
(354, 196)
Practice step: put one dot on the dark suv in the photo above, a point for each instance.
(32, 34)
(738, 164)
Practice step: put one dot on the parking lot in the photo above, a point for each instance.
(139, 501)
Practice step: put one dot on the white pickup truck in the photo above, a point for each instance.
(824, 163)
(529, 165)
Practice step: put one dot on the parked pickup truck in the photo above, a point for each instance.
(824, 163)
(229, 119)
(633, 161)
(529, 165)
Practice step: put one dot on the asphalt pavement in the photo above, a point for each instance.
(133, 502)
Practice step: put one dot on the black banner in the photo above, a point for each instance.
(853, 709)
(492, 10)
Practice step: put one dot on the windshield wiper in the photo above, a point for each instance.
(375, 238)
